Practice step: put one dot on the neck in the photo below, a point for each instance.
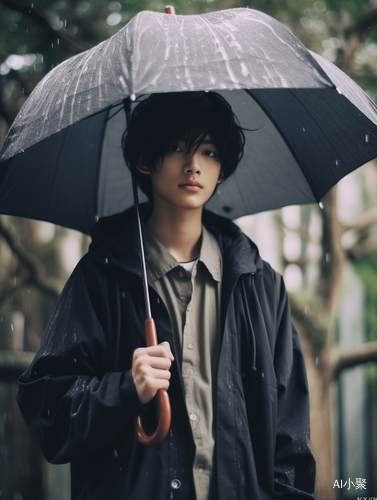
(178, 230)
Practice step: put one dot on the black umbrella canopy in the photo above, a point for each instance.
(310, 124)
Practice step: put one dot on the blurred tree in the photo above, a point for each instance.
(34, 37)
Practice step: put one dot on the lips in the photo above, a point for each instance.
(191, 184)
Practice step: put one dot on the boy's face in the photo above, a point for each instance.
(186, 180)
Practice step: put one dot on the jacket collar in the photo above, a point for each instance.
(114, 243)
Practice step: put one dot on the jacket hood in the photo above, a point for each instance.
(114, 242)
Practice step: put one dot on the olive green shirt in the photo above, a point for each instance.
(193, 302)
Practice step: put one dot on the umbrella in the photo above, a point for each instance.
(309, 123)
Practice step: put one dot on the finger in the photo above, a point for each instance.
(157, 351)
(146, 362)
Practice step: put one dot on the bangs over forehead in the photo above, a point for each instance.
(159, 122)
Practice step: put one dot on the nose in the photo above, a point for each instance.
(192, 165)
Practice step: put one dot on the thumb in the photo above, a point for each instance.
(167, 347)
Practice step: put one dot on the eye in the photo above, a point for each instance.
(211, 154)
(174, 148)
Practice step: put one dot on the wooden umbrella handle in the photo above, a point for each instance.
(163, 401)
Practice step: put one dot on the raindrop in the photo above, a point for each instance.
(48, 412)
(328, 257)
(96, 218)
(303, 129)
(27, 30)
(58, 41)
(336, 162)
(218, 192)
(74, 360)
(115, 453)
(52, 45)
(11, 327)
(28, 291)
(133, 97)
(106, 260)
(316, 361)
(366, 137)
(306, 309)
(65, 23)
(321, 205)
(262, 375)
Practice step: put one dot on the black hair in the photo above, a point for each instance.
(160, 121)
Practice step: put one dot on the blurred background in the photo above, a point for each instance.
(327, 254)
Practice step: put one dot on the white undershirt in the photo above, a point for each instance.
(188, 265)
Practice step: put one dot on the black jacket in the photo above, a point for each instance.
(79, 399)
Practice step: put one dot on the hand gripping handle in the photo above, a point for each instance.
(163, 401)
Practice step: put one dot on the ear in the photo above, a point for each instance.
(142, 167)
(221, 178)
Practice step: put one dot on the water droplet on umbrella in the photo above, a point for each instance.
(303, 129)
(366, 138)
(321, 205)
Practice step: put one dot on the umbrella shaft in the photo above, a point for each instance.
(127, 107)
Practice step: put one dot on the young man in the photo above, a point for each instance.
(229, 353)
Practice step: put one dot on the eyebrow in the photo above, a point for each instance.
(208, 141)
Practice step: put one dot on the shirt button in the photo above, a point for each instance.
(190, 372)
(193, 417)
(190, 346)
(175, 484)
(180, 274)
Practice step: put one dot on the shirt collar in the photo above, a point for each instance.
(210, 254)
(160, 261)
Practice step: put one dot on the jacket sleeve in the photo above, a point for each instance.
(294, 464)
(71, 403)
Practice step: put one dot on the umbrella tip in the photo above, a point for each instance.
(169, 9)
